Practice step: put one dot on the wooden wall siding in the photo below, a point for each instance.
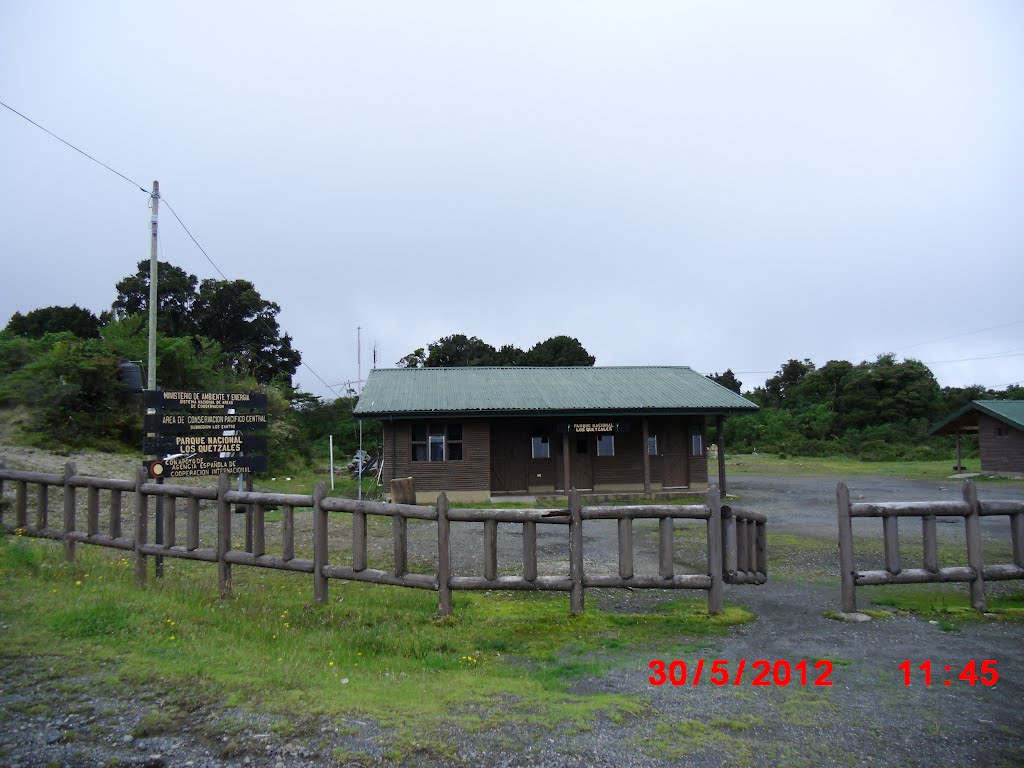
(542, 473)
(470, 474)
(626, 466)
(1000, 453)
(699, 470)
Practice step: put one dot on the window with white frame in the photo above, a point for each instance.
(540, 447)
(437, 442)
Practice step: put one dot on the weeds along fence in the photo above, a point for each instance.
(975, 573)
(735, 539)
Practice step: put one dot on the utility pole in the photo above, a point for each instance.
(154, 205)
(359, 383)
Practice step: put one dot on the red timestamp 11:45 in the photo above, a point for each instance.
(971, 673)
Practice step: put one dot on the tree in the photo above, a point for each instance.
(461, 350)
(955, 398)
(39, 322)
(558, 350)
(885, 392)
(458, 350)
(509, 354)
(232, 313)
(727, 380)
(176, 295)
(784, 383)
(415, 359)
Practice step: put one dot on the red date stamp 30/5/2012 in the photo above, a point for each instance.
(758, 672)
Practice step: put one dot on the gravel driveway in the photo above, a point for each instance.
(867, 717)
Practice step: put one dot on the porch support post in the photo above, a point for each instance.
(647, 457)
(566, 463)
(720, 426)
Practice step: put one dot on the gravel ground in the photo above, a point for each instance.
(62, 712)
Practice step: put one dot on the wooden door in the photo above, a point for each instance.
(582, 462)
(674, 469)
(510, 451)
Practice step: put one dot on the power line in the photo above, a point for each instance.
(169, 207)
(225, 277)
(68, 143)
(959, 335)
(967, 359)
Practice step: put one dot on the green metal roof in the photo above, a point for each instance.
(481, 390)
(1007, 411)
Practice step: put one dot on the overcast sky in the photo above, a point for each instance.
(712, 184)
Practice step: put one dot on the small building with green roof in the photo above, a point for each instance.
(999, 425)
(483, 432)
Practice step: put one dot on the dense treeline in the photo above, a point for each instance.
(877, 410)
(460, 350)
(61, 364)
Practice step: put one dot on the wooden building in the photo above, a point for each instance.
(999, 425)
(481, 432)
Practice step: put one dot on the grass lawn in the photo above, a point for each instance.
(373, 650)
(770, 464)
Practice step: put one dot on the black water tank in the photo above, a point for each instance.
(130, 375)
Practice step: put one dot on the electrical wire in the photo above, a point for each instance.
(220, 272)
(960, 335)
(967, 359)
(68, 143)
(169, 207)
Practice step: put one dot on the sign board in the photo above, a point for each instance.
(209, 443)
(191, 423)
(195, 466)
(205, 401)
(594, 427)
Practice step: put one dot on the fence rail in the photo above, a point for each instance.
(975, 573)
(735, 539)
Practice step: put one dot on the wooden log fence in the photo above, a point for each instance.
(735, 539)
(975, 573)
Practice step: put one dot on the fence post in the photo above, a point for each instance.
(530, 551)
(115, 514)
(42, 506)
(141, 525)
(192, 532)
(92, 525)
(891, 542)
(2, 466)
(714, 503)
(21, 504)
(665, 553)
(400, 529)
(930, 540)
(444, 555)
(576, 552)
(319, 543)
(730, 562)
(848, 597)
(490, 549)
(626, 547)
(223, 535)
(358, 541)
(974, 553)
(761, 537)
(1017, 538)
(69, 512)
